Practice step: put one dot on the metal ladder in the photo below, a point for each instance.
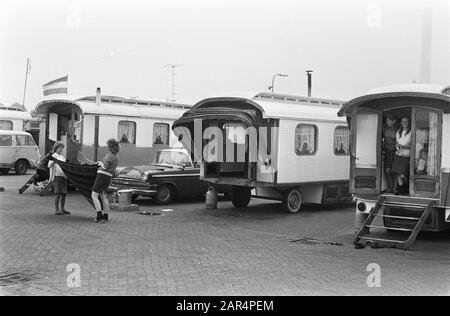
(364, 234)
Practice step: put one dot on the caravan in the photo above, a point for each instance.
(424, 203)
(287, 148)
(86, 123)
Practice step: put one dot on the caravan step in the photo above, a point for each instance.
(405, 205)
(408, 200)
(390, 228)
(399, 217)
(366, 238)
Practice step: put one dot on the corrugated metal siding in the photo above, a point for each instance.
(324, 166)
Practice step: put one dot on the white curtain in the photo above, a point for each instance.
(341, 140)
(161, 134)
(432, 145)
(305, 139)
(127, 132)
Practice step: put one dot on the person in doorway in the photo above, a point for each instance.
(389, 147)
(59, 179)
(102, 181)
(402, 156)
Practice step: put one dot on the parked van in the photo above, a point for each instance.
(17, 150)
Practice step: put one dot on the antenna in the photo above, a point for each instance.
(173, 66)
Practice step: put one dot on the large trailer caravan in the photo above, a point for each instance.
(288, 148)
(86, 123)
(425, 205)
(14, 119)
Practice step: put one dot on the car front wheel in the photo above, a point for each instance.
(21, 167)
(164, 195)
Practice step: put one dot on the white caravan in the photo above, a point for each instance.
(289, 148)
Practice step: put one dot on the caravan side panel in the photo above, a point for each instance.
(321, 167)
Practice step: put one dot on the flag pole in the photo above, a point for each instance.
(26, 78)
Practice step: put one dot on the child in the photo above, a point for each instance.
(59, 179)
(105, 173)
(422, 161)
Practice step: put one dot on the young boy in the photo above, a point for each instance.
(105, 173)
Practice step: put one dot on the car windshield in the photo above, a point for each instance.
(173, 158)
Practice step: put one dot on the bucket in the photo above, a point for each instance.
(125, 197)
(211, 198)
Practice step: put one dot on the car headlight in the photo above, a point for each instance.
(145, 176)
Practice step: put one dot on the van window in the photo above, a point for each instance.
(305, 139)
(341, 141)
(5, 140)
(127, 132)
(161, 134)
(6, 125)
(24, 140)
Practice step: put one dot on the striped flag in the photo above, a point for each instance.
(57, 86)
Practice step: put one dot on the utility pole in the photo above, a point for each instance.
(26, 78)
(173, 79)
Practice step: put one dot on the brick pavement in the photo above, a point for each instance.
(194, 251)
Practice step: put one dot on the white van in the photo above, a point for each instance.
(17, 150)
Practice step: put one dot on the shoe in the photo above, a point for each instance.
(65, 212)
(105, 217)
(59, 213)
(99, 218)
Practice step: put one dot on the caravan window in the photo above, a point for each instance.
(341, 141)
(161, 134)
(305, 139)
(6, 125)
(127, 132)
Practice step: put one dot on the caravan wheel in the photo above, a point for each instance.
(240, 196)
(292, 201)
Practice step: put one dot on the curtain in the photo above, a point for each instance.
(127, 132)
(341, 140)
(432, 145)
(305, 139)
(161, 134)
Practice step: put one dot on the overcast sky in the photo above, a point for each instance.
(221, 46)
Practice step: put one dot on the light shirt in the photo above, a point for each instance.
(404, 140)
(55, 169)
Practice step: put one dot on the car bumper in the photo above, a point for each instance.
(144, 192)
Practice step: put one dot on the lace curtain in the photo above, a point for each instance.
(305, 139)
(341, 140)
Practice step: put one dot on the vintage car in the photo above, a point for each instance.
(172, 174)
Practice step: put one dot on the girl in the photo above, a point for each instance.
(59, 179)
(105, 173)
(400, 165)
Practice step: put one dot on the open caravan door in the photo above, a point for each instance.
(365, 177)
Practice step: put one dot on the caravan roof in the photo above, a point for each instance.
(284, 106)
(111, 105)
(14, 113)
(416, 90)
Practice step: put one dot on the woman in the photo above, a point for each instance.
(105, 173)
(59, 179)
(400, 165)
(389, 146)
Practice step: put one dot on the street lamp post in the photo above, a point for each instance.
(273, 80)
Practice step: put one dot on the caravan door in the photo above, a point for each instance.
(425, 163)
(365, 177)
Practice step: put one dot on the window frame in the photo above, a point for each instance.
(10, 122)
(167, 125)
(11, 141)
(334, 137)
(316, 139)
(133, 123)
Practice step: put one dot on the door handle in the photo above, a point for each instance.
(354, 157)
